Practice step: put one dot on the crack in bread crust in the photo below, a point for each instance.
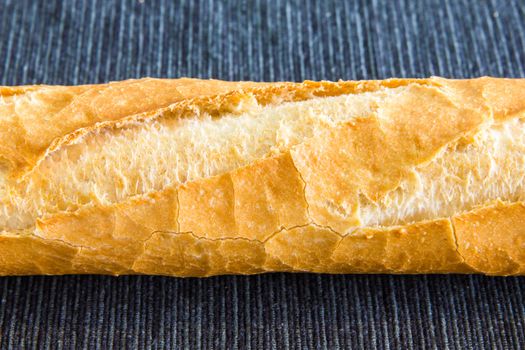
(463, 176)
(71, 176)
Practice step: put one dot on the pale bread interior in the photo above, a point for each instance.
(459, 179)
(111, 165)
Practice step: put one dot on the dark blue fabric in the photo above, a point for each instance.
(74, 42)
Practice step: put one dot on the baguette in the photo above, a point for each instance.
(198, 178)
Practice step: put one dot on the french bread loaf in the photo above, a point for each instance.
(196, 178)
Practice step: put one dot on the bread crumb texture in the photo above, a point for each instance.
(394, 176)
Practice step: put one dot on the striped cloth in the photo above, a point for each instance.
(74, 42)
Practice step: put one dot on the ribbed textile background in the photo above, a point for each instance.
(74, 42)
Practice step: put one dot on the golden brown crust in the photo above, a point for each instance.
(492, 239)
(505, 98)
(293, 211)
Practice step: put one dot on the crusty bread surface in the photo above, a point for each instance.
(190, 177)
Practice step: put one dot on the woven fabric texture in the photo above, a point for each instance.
(75, 42)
